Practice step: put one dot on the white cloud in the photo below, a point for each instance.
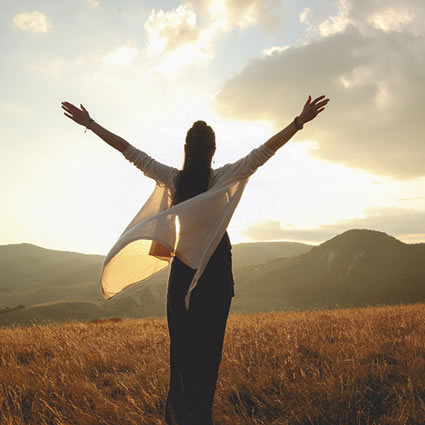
(335, 24)
(121, 56)
(374, 78)
(385, 15)
(175, 39)
(303, 16)
(170, 30)
(36, 22)
(275, 50)
(242, 13)
(391, 19)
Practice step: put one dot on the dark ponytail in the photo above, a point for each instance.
(199, 150)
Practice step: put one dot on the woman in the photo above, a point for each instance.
(185, 220)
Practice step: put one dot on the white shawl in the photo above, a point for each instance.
(191, 230)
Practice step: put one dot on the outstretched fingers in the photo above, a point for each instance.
(318, 99)
(322, 103)
(69, 106)
(70, 111)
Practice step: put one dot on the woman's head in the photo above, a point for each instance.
(200, 141)
(199, 150)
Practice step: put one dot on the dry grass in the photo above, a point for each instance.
(358, 366)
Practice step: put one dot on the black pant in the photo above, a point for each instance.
(196, 338)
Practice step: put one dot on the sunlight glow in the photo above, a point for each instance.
(178, 229)
(147, 70)
(294, 184)
(121, 56)
(412, 238)
(217, 8)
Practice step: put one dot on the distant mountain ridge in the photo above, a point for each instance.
(35, 275)
(32, 274)
(246, 254)
(358, 267)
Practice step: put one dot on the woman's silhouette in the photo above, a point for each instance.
(196, 331)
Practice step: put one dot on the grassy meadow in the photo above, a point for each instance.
(352, 366)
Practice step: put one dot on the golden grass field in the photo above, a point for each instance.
(352, 366)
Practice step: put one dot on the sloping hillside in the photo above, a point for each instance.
(33, 275)
(248, 254)
(358, 267)
(40, 277)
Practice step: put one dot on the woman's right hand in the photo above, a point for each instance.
(313, 108)
(80, 116)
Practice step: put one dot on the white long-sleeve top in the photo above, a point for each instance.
(191, 230)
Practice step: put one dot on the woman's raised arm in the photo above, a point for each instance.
(149, 166)
(247, 165)
(309, 112)
(82, 117)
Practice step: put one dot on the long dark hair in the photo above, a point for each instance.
(199, 150)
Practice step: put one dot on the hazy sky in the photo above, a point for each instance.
(147, 70)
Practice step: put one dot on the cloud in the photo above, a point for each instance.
(273, 50)
(121, 56)
(369, 60)
(391, 19)
(333, 25)
(241, 13)
(244, 13)
(167, 31)
(303, 16)
(175, 39)
(387, 15)
(36, 22)
(394, 221)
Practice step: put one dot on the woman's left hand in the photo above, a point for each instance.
(80, 116)
(313, 108)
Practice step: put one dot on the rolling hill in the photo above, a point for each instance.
(39, 278)
(356, 268)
